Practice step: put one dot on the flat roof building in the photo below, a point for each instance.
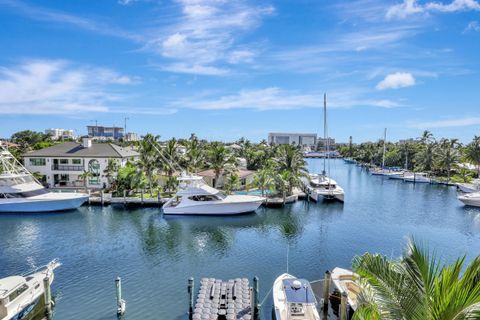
(102, 132)
(306, 140)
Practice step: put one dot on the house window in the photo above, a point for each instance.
(94, 168)
(63, 161)
(76, 161)
(37, 161)
(243, 181)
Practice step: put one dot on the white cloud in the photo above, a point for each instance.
(448, 123)
(44, 14)
(274, 98)
(410, 7)
(56, 87)
(396, 80)
(472, 26)
(204, 38)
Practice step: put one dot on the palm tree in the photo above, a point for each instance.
(417, 287)
(282, 183)
(290, 159)
(264, 180)
(472, 153)
(447, 155)
(219, 158)
(111, 171)
(149, 158)
(85, 176)
(194, 155)
(232, 183)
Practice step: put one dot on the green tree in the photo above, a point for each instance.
(446, 156)
(130, 177)
(149, 158)
(417, 287)
(264, 180)
(219, 158)
(194, 156)
(472, 153)
(232, 183)
(111, 171)
(84, 177)
(290, 159)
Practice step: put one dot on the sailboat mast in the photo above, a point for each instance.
(325, 147)
(384, 147)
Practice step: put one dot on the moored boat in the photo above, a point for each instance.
(470, 199)
(197, 198)
(344, 281)
(417, 177)
(293, 299)
(320, 187)
(469, 187)
(21, 192)
(20, 294)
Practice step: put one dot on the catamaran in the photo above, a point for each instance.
(294, 299)
(321, 186)
(20, 294)
(21, 192)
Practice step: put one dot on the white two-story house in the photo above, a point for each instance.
(62, 164)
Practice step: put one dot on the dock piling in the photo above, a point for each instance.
(141, 195)
(190, 296)
(102, 198)
(120, 302)
(326, 290)
(47, 295)
(124, 197)
(256, 305)
(343, 306)
(89, 196)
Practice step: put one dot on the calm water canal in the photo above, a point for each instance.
(155, 255)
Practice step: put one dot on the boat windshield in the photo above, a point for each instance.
(221, 195)
(27, 194)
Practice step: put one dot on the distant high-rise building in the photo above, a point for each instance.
(60, 134)
(306, 140)
(101, 132)
(132, 136)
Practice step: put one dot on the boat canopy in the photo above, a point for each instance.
(298, 291)
(200, 189)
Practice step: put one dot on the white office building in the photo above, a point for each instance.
(60, 134)
(305, 140)
(62, 164)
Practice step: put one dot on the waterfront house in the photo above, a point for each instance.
(305, 140)
(62, 164)
(246, 178)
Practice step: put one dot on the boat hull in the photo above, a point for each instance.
(467, 187)
(44, 205)
(321, 195)
(215, 209)
(471, 199)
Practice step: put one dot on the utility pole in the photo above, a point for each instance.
(125, 127)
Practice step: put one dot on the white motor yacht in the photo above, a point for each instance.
(20, 294)
(294, 299)
(197, 198)
(380, 172)
(470, 199)
(21, 192)
(320, 187)
(344, 281)
(417, 178)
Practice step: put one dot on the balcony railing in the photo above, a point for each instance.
(66, 167)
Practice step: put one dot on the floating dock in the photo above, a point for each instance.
(223, 300)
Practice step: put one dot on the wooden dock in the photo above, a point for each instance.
(107, 199)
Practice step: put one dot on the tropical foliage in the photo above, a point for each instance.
(442, 157)
(417, 287)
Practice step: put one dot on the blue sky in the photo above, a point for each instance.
(231, 68)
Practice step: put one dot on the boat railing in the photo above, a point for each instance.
(51, 264)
